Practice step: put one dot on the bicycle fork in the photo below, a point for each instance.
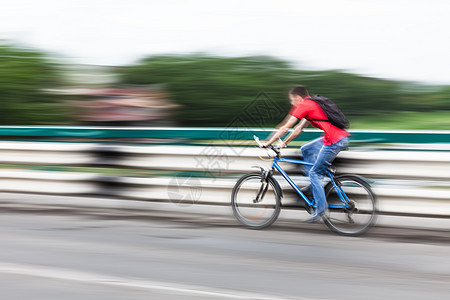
(264, 185)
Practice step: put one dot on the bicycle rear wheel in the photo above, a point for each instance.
(360, 213)
(256, 201)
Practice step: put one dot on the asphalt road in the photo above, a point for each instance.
(108, 254)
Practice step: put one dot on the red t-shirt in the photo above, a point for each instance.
(311, 110)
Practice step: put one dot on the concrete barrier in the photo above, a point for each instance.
(406, 182)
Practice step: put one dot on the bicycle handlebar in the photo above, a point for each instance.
(273, 148)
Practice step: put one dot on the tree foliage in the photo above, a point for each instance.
(24, 76)
(213, 90)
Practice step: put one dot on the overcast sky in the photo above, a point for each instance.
(396, 39)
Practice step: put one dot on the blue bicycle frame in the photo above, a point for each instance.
(338, 189)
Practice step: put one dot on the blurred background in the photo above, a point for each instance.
(150, 108)
(194, 63)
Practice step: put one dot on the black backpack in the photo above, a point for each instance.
(334, 115)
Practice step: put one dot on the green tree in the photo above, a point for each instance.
(213, 90)
(24, 76)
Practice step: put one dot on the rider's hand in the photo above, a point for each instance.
(281, 144)
(265, 145)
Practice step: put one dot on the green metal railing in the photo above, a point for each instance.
(225, 134)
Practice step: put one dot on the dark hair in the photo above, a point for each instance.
(299, 90)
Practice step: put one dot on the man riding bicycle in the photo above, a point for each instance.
(319, 152)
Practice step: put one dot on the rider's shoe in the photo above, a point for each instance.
(316, 217)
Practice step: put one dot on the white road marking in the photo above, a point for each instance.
(102, 279)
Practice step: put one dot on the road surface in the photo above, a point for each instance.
(111, 254)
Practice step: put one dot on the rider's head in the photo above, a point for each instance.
(297, 94)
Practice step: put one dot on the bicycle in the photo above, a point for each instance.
(256, 198)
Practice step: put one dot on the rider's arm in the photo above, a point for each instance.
(287, 124)
(285, 120)
(296, 132)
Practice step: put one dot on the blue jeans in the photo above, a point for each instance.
(315, 152)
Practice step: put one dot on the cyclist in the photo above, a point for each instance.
(321, 151)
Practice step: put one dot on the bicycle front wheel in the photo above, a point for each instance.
(256, 201)
(351, 206)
